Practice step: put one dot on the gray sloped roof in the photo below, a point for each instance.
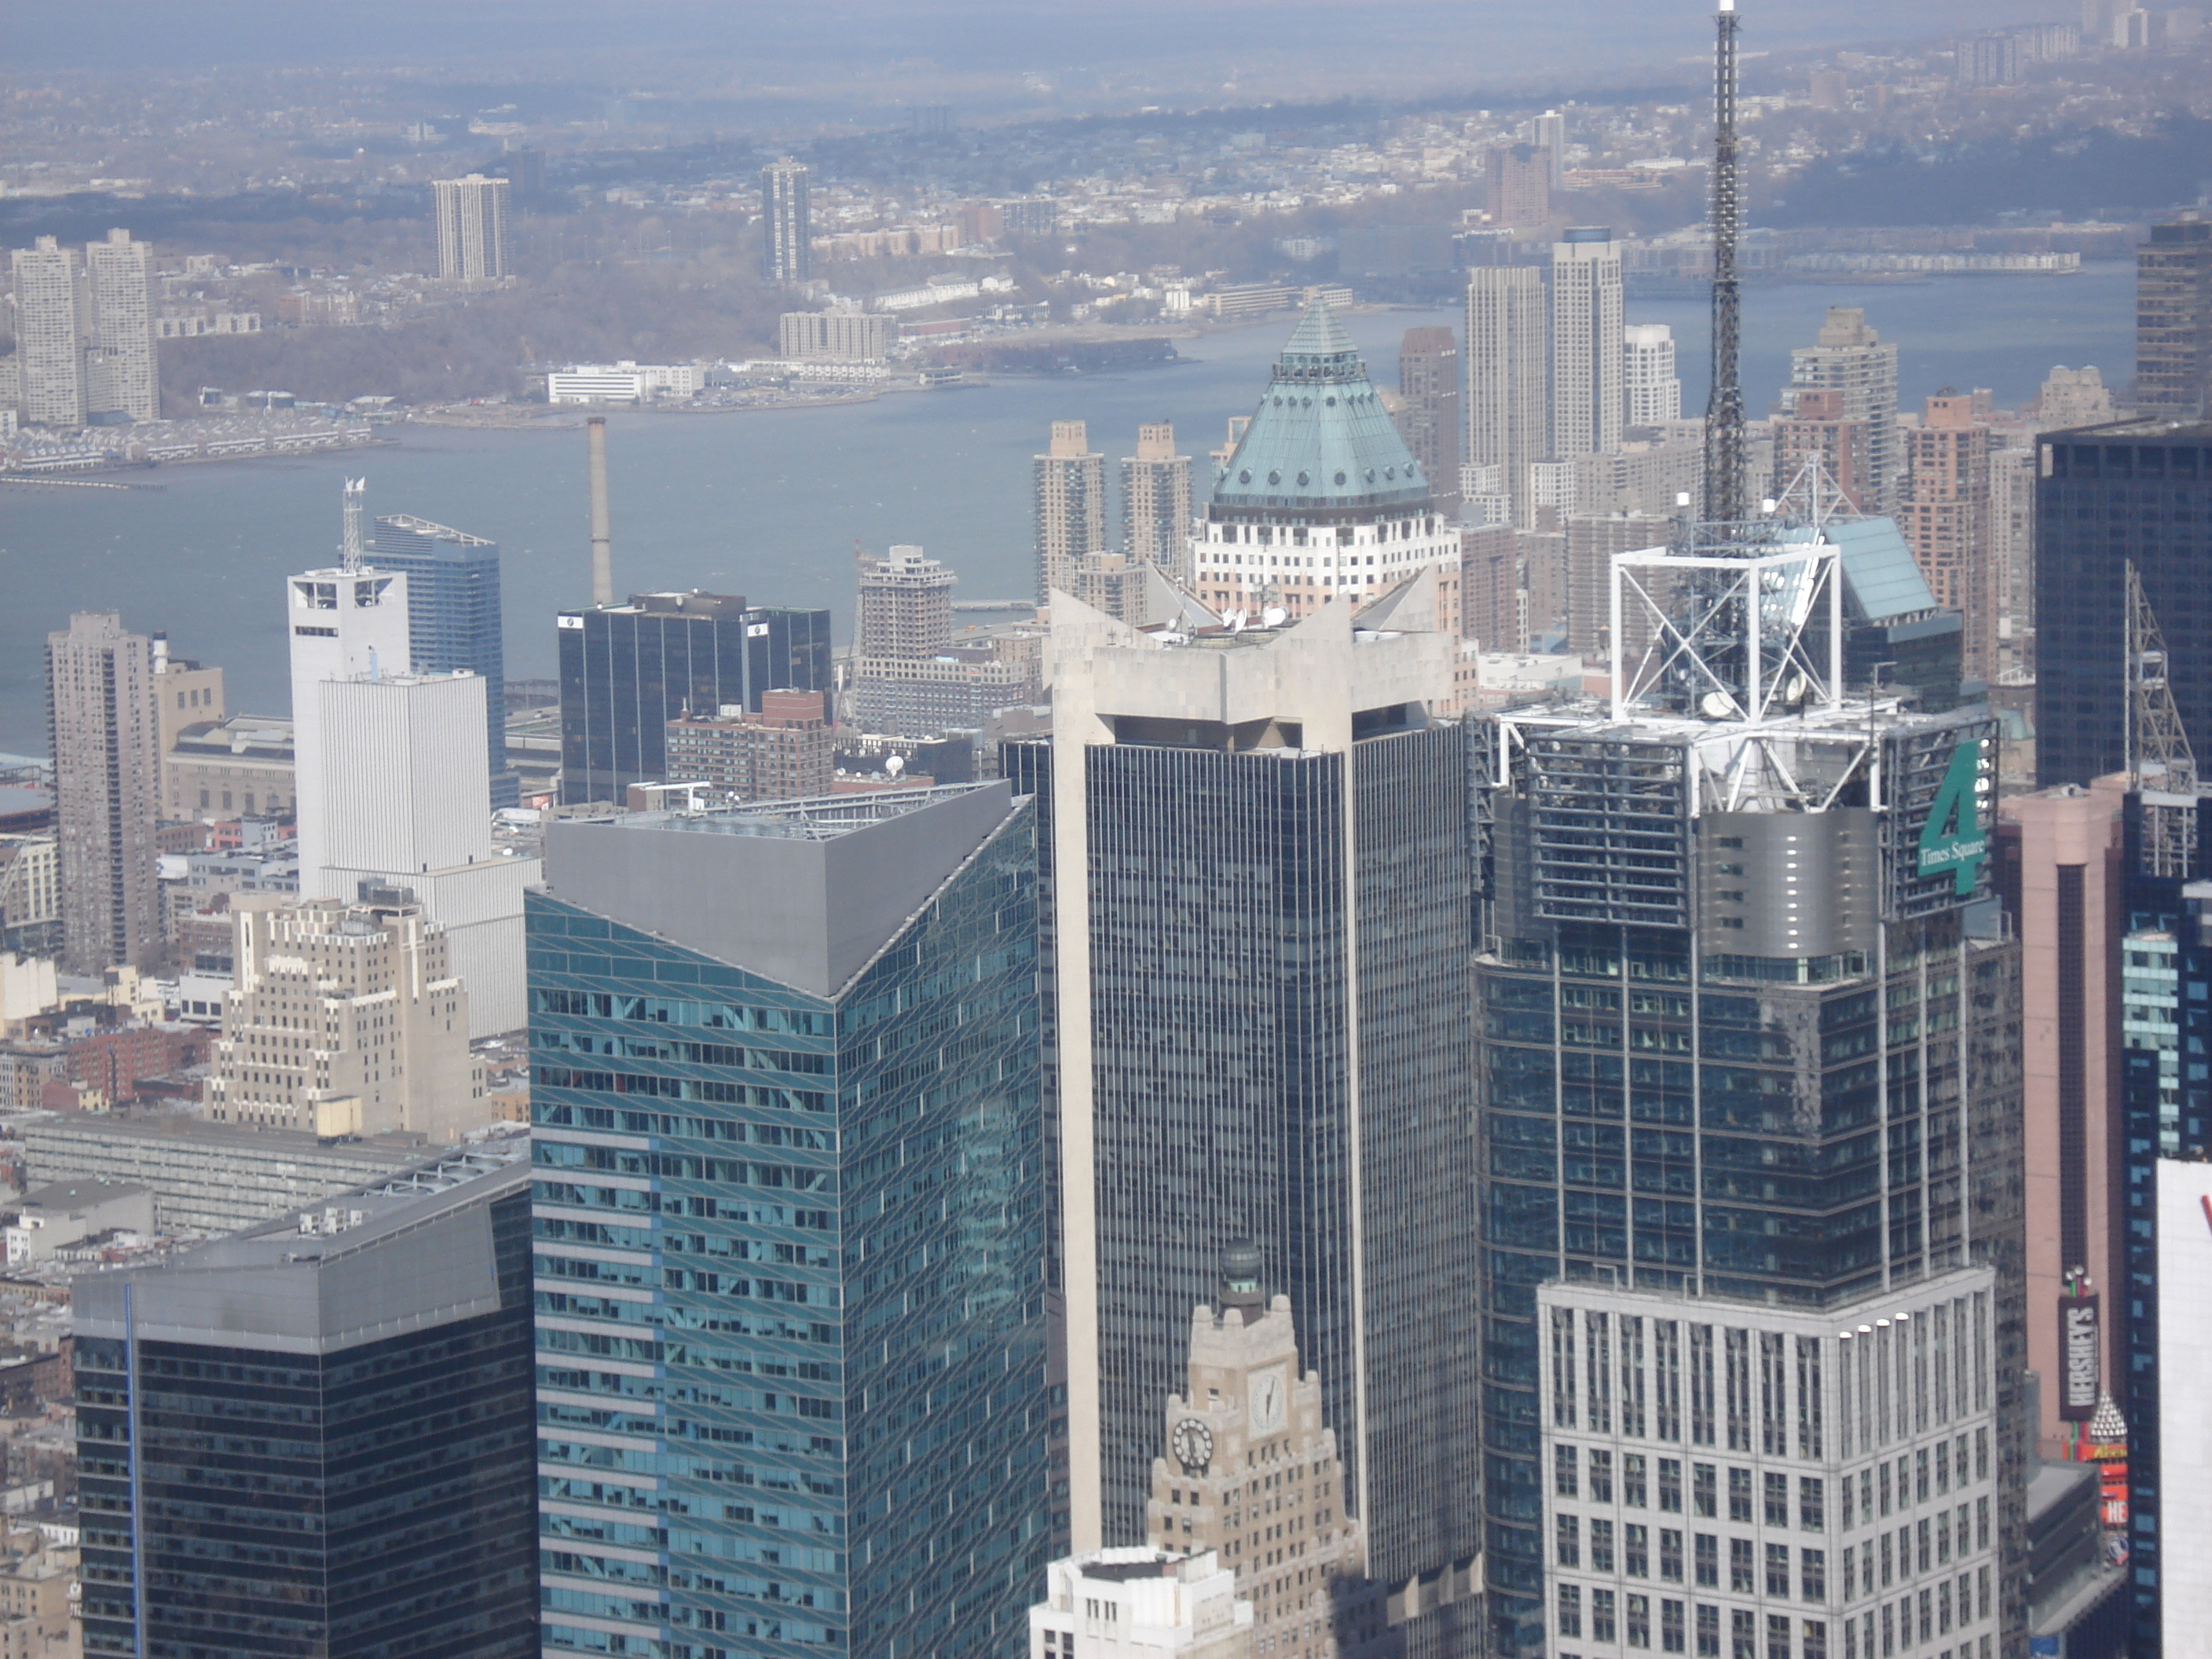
(1883, 581)
(1320, 438)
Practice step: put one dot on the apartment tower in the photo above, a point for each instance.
(1852, 359)
(1651, 392)
(906, 606)
(473, 240)
(120, 375)
(1156, 506)
(107, 787)
(1507, 411)
(1945, 515)
(1588, 400)
(1429, 413)
(49, 334)
(2174, 321)
(786, 227)
(1071, 508)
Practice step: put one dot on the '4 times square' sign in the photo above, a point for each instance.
(1955, 839)
(1941, 782)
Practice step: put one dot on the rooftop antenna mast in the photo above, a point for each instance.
(1724, 443)
(350, 546)
(2161, 765)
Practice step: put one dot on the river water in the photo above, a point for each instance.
(769, 504)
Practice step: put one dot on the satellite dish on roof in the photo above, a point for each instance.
(894, 765)
(1717, 705)
(1273, 616)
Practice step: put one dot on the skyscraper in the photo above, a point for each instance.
(49, 334)
(1070, 507)
(1261, 864)
(1508, 415)
(626, 670)
(1850, 358)
(473, 243)
(1155, 521)
(1518, 179)
(1321, 497)
(1549, 132)
(454, 617)
(345, 621)
(1651, 392)
(818, 1024)
(1945, 515)
(787, 228)
(2174, 321)
(1816, 426)
(1587, 401)
(1750, 1075)
(2110, 496)
(1429, 420)
(108, 789)
(121, 377)
(906, 606)
(317, 1432)
(345, 1020)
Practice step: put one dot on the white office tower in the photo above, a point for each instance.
(1651, 394)
(1140, 1603)
(1743, 1477)
(402, 802)
(1586, 343)
(344, 622)
(1507, 420)
(50, 308)
(119, 373)
(472, 228)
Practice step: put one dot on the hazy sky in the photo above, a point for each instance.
(1481, 40)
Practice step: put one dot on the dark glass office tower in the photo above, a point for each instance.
(2137, 493)
(313, 1439)
(790, 1229)
(1263, 885)
(626, 670)
(452, 615)
(1748, 1029)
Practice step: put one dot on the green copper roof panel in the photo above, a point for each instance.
(1320, 437)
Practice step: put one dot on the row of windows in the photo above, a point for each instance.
(1629, 1550)
(1626, 1618)
(664, 1010)
(1914, 1478)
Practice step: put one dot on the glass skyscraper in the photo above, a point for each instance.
(452, 615)
(1750, 1040)
(312, 1439)
(626, 670)
(790, 1229)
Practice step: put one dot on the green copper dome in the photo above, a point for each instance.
(1321, 439)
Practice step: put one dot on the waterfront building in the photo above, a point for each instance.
(108, 791)
(1155, 521)
(1140, 1603)
(1745, 1043)
(120, 375)
(1852, 359)
(344, 1020)
(1589, 400)
(1517, 180)
(49, 334)
(906, 606)
(786, 751)
(1250, 1474)
(2108, 497)
(840, 336)
(1507, 411)
(1261, 862)
(1429, 417)
(405, 809)
(315, 1436)
(1071, 508)
(787, 1088)
(1651, 392)
(1945, 515)
(2174, 321)
(453, 620)
(1321, 498)
(626, 670)
(474, 244)
(787, 226)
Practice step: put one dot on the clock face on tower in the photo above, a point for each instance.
(1193, 1445)
(1267, 1400)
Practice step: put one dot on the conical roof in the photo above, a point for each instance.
(1320, 438)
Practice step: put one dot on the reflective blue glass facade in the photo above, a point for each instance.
(454, 616)
(790, 1286)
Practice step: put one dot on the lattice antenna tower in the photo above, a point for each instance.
(350, 548)
(1813, 496)
(1725, 440)
(2161, 765)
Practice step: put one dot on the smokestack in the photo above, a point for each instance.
(602, 558)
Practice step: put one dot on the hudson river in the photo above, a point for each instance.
(768, 504)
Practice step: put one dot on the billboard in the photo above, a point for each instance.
(2080, 1359)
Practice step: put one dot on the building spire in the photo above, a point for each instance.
(1724, 440)
(350, 544)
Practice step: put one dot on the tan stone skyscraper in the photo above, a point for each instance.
(345, 1019)
(1587, 344)
(1070, 507)
(107, 775)
(1252, 1473)
(1945, 516)
(1155, 503)
(1854, 360)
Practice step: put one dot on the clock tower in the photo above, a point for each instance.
(1251, 1472)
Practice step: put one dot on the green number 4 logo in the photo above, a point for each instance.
(1953, 838)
